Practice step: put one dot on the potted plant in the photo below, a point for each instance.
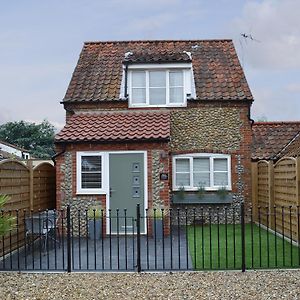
(95, 222)
(222, 193)
(158, 215)
(201, 192)
(181, 193)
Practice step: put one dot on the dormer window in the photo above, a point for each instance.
(156, 86)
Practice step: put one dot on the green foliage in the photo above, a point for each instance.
(201, 192)
(38, 139)
(222, 192)
(158, 213)
(95, 212)
(7, 223)
(181, 193)
(262, 118)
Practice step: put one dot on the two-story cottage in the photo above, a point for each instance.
(160, 123)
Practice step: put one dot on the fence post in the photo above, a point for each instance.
(138, 238)
(69, 258)
(30, 166)
(298, 179)
(254, 177)
(243, 236)
(271, 194)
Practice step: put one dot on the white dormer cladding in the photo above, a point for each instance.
(149, 80)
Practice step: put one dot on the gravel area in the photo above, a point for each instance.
(201, 285)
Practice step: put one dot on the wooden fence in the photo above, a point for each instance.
(276, 194)
(29, 188)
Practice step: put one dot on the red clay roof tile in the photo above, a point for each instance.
(271, 138)
(98, 74)
(122, 126)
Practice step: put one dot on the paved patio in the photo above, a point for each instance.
(110, 253)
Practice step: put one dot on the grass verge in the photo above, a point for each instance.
(219, 247)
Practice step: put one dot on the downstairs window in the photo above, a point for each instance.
(89, 173)
(202, 170)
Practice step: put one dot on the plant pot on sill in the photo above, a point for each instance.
(95, 223)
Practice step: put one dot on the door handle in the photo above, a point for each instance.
(111, 191)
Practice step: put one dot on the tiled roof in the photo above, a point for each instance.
(293, 148)
(271, 138)
(5, 155)
(152, 57)
(109, 127)
(217, 72)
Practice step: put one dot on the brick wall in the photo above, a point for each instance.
(158, 192)
(202, 127)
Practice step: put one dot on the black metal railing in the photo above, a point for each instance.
(200, 238)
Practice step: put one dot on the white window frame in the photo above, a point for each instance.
(211, 157)
(167, 68)
(85, 191)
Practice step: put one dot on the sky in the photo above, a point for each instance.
(40, 42)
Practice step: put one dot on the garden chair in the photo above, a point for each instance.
(43, 225)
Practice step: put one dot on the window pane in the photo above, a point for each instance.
(201, 179)
(220, 164)
(176, 95)
(176, 78)
(201, 164)
(91, 180)
(182, 179)
(220, 178)
(91, 163)
(157, 96)
(157, 78)
(183, 165)
(139, 79)
(138, 95)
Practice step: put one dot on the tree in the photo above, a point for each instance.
(262, 118)
(38, 139)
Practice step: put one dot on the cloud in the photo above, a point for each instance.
(293, 87)
(152, 23)
(276, 24)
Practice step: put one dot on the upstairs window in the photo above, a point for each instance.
(159, 87)
(194, 171)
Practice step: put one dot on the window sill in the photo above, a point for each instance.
(91, 193)
(208, 198)
(156, 106)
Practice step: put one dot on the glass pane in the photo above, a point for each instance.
(157, 96)
(176, 78)
(176, 95)
(182, 165)
(182, 179)
(139, 79)
(220, 178)
(157, 78)
(138, 95)
(201, 180)
(220, 164)
(201, 164)
(91, 180)
(91, 163)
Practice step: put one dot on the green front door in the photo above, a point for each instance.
(126, 183)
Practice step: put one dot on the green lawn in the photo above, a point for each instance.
(260, 248)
